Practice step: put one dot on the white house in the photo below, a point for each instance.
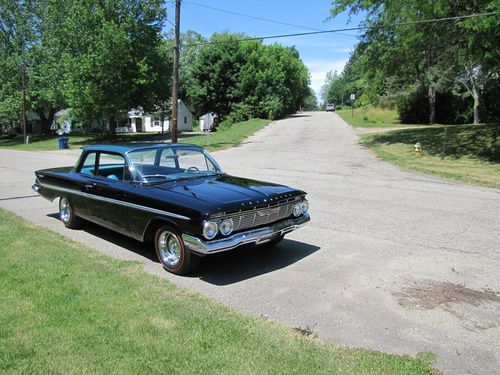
(207, 121)
(184, 117)
(143, 122)
(138, 121)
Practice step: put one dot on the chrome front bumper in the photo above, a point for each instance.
(256, 236)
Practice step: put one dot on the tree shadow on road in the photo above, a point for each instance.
(298, 115)
(247, 262)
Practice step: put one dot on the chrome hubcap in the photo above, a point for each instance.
(64, 210)
(169, 248)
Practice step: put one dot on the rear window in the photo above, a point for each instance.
(112, 166)
(88, 165)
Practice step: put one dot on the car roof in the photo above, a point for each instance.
(127, 147)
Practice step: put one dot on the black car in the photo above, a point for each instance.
(175, 196)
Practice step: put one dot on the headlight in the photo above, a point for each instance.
(305, 207)
(297, 209)
(226, 227)
(210, 230)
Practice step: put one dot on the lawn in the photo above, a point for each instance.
(468, 153)
(65, 309)
(371, 117)
(227, 138)
(219, 140)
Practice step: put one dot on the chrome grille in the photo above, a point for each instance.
(260, 215)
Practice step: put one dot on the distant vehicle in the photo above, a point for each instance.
(330, 107)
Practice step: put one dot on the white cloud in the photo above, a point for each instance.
(319, 68)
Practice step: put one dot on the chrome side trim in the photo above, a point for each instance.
(108, 200)
(260, 235)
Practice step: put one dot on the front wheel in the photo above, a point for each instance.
(67, 214)
(172, 253)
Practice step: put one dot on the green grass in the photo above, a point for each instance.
(65, 309)
(227, 138)
(222, 139)
(371, 117)
(472, 152)
(48, 143)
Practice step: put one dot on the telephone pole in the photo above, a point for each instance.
(23, 105)
(175, 75)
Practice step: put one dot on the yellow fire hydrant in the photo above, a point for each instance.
(418, 149)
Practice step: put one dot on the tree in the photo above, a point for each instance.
(478, 55)
(28, 41)
(310, 101)
(214, 74)
(401, 48)
(118, 61)
(101, 58)
(17, 35)
(241, 79)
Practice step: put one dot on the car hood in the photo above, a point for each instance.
(224, 193)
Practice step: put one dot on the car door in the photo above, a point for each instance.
(106, 191)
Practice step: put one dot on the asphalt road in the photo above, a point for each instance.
(392, 260)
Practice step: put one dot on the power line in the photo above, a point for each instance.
(198, 19)
(434, 20)
(252, 17)
(170, 22)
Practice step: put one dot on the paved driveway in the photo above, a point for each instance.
(392, 260)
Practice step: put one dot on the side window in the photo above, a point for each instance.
(146, 157)
(88, 165)
(112, 166)
(167, 158)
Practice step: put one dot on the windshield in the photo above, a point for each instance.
(170, 163)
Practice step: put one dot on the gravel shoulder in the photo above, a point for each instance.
(392, 260)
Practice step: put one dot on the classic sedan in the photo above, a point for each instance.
(174, 195)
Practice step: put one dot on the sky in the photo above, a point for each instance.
(321, 53)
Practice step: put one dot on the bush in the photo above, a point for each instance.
(272, 108)
(489, 110)
(413, 106)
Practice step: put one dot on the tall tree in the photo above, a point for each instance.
(477, 55)
(243, 79)
(402, 47)
(116, 61)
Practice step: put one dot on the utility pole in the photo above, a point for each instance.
(175, 75)
(23, 107)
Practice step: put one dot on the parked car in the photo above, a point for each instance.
(330, 107)
(175, 196)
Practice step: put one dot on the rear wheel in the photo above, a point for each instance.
(172, 253)
(67, 214)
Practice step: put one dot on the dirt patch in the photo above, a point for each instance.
(380, 130)
(430, 294)
(307, 331)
